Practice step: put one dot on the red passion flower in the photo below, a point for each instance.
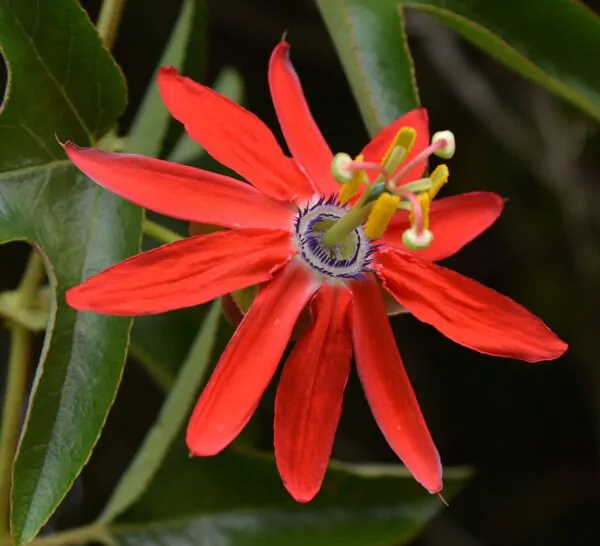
(313, 230)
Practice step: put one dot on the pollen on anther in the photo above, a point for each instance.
(383, 211)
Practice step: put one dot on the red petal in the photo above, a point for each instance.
(388, 388)
(376, 149)
(303, 137)
(185, 273)
(249, 361)
(180, 191)
(233, 136)
(455, 221)
(309, 398)
(467, 312)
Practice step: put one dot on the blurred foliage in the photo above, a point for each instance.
(530, 431)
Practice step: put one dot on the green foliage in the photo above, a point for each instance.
(544, 40)
(171, 419)
(239, 498)
(62, 83)
(369, 37)
(371, 41)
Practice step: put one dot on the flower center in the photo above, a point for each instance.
(348, 258)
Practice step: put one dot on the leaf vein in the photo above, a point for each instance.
(58, 85)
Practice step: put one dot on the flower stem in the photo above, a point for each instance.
(109, 20)
(160, 233)
(16, 384)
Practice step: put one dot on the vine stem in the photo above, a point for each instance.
(16, 384)
(109, 19)
(16, 387)
(80, 535)
(160, 233)
(30, 282)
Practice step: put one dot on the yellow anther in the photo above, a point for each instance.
(405, 138)
(350, 188)
(394, 159)
(438, 178)
(381, 215)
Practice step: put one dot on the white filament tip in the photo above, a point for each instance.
(340, 168)
(417, 241)
(447, 151)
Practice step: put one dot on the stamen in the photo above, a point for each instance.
(386, 206)
(439, 177)
(350, 188)
(404, 140)
(424, 202)
(395, 159)
(406, 137)
(417, 186)
(416, 216)
(383, 211)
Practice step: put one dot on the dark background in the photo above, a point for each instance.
(529, 430)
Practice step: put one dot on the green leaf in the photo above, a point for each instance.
(153, 132)
(369, 38)
(544, 40)
(56, 64)
(81, 229)
(369, 526)
(238, 497)
(171, 418)
(62, 82)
